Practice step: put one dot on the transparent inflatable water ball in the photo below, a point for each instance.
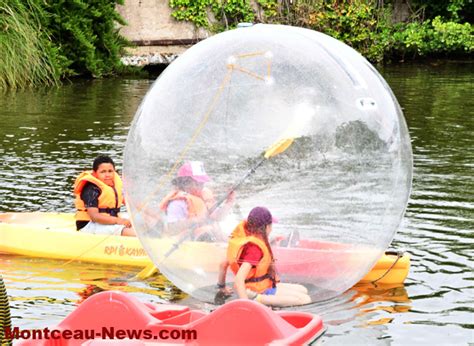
(339, 188)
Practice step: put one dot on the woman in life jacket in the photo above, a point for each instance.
(250, 257)
(98, 198)
(187, 206)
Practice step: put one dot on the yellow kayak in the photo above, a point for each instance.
(54, 235)
(391, 269)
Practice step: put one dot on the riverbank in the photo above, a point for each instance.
(45, 43)
(151, 57)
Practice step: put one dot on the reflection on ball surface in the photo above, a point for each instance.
(339, 190)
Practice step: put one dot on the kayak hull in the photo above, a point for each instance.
(53, 235)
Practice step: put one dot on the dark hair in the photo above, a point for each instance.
(261, 232)
(100, 160)
(182, 183)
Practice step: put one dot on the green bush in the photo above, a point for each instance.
(43, 41)
(228, 12)
(450, 10)
(86, 34)
(451, 37)
(358, 23)
(365, 25)
(434, 37)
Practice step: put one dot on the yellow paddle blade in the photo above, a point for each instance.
(278, 147)
(146, 272)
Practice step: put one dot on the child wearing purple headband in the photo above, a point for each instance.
(250, 257)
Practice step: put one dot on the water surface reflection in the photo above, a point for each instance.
(47, 137)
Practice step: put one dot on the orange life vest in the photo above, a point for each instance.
(110, 198)
(239, 231)
(259, 278)
(197, 206)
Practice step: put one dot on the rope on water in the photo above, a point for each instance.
(399, 255)
(5, 318)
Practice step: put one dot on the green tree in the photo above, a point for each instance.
(42, 41)
(86, 34)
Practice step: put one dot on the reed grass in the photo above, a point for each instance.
(26, 55)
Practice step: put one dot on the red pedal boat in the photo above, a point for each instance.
(112, 318)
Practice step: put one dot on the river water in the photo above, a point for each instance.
(48, 136)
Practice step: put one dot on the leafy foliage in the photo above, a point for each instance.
(201, 12)
(363, 24)
(451, 10)
(434, 37)
(357, 23)
(28, 56)
(85, 32)
(43, 41)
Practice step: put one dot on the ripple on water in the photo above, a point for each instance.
(43, 148)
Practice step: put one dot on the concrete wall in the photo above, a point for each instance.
(158, 35)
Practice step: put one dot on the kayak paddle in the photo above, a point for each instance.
(275, 149)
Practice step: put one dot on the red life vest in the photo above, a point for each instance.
(110, 198)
